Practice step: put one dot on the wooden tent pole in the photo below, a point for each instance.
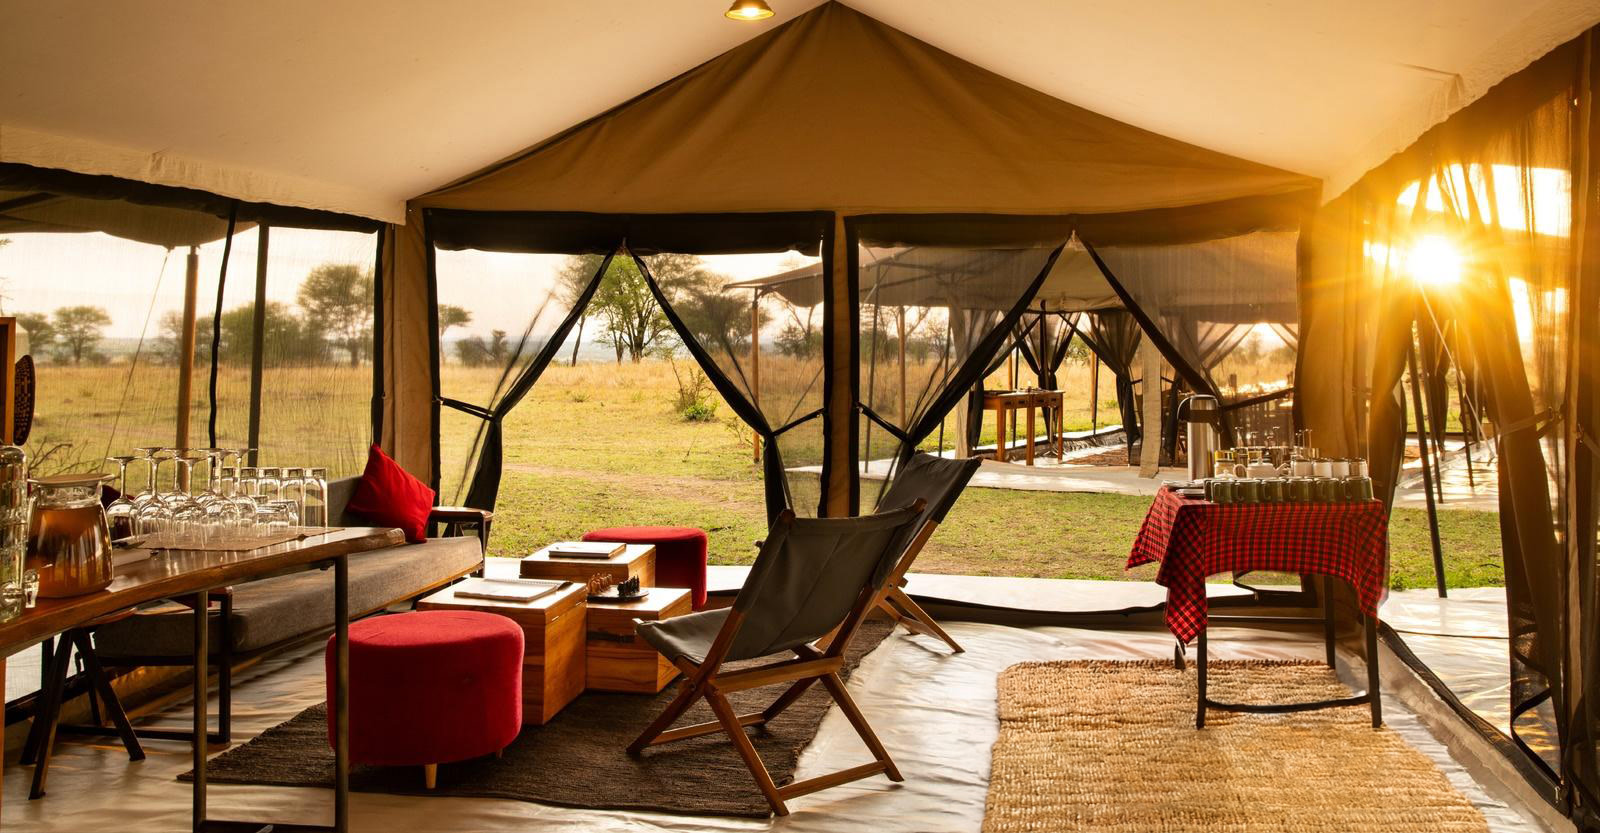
(191, 292)
(1094, 393)
(904, 418)
(258, 340)
(755, 362)
(1427, 475)
(840, 398)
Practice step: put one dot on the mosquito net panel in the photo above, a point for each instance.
(749, 353)
(502, 319)
(311, 310)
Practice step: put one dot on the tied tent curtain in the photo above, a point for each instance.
(1199, 301)
(521, 365)
(1046, 349)
(975, 410)
(723, 331)
(970, 295)
(1114, 336)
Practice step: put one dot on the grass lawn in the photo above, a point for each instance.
(600, 445)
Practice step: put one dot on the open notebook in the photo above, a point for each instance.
(508, 590)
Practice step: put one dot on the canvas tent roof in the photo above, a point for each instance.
(836, 110)
(409, 96)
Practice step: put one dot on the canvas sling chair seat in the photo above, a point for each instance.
(938, 482)
(814, 580)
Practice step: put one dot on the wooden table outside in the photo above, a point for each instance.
(178, 574)
(553, 665)
(1004, 402)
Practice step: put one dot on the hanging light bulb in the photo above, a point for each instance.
(748, 10)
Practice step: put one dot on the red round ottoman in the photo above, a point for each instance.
(680, 554)
(431, 687)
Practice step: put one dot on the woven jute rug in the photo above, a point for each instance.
(1111, 747)
(579, 759)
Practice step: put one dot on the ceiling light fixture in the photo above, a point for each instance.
(748, 10)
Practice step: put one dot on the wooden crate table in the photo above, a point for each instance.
(553, 666)
(635, 561)
(618, 659)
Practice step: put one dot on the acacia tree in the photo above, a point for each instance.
(337, 299)
(451, 315)
(630, 319)
(78, 329)
(41, 333)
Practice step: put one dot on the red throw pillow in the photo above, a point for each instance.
(389, 496)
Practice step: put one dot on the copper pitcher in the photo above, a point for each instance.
(69, 541)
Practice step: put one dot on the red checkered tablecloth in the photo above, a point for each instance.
(1194, 538)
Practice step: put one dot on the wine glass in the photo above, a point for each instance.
(154, 516)
(151, 455)
(120, 515)
(188, 512)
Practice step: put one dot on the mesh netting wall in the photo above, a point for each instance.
(99, 287)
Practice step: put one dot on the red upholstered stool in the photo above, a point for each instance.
(680, 554)
(431, 687)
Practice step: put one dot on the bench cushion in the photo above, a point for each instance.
(275, 610)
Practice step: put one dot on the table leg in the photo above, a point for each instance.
(1030, 434)
(1372, 672)
(1200, 679)
(341, 695)
(202, 602)
(1327, 616)
(1000, 432)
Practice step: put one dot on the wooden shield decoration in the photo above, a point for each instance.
(23, 422)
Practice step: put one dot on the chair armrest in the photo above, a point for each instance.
(458, 515)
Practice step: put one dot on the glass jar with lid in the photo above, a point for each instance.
(69, 541)
(13, 528)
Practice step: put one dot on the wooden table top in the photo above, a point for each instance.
(630, 553)
(175, 573)
(649, 607)
(556, 601)
(1020, 397)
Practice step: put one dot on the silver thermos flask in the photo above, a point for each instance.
(1201, 412)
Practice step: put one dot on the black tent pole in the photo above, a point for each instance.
(258, 342)
(1427, 475)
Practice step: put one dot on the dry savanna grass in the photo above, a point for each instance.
(601, 444)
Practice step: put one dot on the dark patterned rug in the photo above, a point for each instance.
(576, 760)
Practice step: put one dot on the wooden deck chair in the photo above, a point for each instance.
(813, 578)
(938, 482)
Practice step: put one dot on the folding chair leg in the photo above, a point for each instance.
(915, 611)
(747, 750)
(847, 705)
(787, 699)
(102, 682)
(670, 714)
(48, 716)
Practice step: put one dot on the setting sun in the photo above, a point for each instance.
(1435, 261)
